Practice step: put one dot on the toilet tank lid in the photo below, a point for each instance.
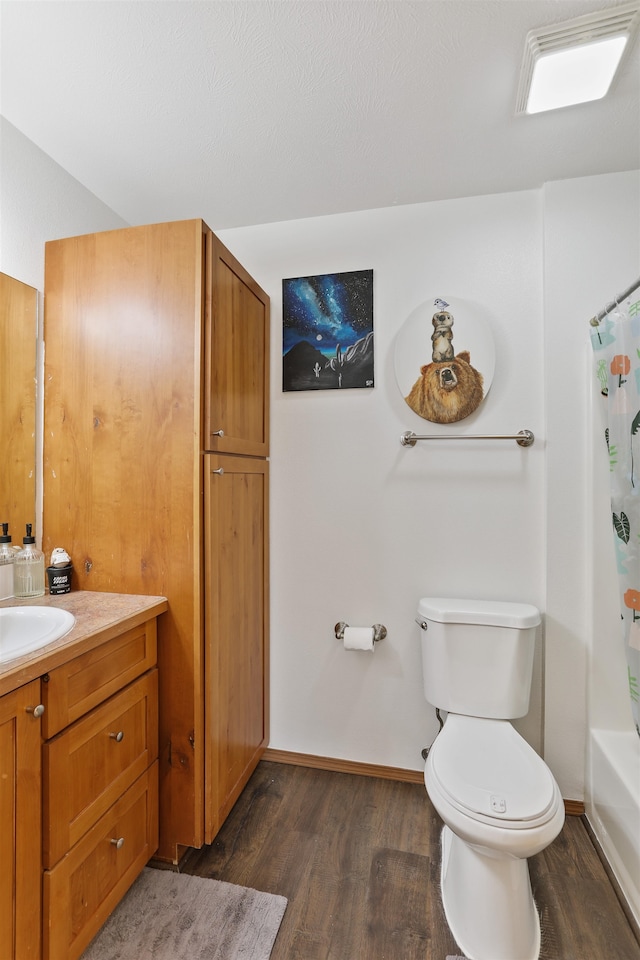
(495, 613)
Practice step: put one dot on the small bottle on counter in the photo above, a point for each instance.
(28, 569)
(7, 556)
(60, 571)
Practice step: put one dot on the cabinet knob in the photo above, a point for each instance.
(36, 711)
(219, 471)
(118, 843)
(217, 433)
(117, 736)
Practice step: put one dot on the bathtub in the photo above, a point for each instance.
(613, 807)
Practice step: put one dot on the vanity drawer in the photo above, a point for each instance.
(76, 687)
(88, 766)
(85, 886)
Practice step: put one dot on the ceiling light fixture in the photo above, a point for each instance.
(575, 61)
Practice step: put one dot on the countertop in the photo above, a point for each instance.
(99, 617)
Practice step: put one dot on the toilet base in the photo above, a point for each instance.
(488, 903)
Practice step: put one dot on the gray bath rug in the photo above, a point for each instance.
(172, 916)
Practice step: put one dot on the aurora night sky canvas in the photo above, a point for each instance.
(327, 331)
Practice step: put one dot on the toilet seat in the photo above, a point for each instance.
(488, 772)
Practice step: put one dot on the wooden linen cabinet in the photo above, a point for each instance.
(156, 482)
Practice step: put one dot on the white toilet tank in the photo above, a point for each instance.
(477, 655)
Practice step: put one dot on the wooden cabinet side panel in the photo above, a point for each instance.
(20, 825)
(122, 410)
(122, 467)
(237, 357)
(237, 628)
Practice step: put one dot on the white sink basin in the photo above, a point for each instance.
(25, 629)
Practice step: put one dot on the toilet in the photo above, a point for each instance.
(497, 798)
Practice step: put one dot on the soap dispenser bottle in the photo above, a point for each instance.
(7, 556)
(28, 569)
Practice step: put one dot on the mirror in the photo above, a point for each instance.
(18, 331)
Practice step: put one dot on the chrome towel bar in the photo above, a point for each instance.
(524, 438)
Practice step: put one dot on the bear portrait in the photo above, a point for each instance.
(447, 391)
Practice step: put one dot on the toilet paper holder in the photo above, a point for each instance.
(379, 631)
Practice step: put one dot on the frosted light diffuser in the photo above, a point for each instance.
(577, 75)
(575, 61)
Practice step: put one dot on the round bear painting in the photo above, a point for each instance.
(445, 359)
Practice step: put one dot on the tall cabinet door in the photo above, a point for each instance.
(237, 356)
(237, 625)
(20, 824)
(122, 458)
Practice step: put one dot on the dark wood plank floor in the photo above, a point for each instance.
(358, 859)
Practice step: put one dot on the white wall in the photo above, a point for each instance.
(361, 528)
(40, 201)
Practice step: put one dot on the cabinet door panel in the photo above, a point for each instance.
(20, 830)
(237, 618)
(95, 760)
(237, 357)
(72, 689)
(86, 885)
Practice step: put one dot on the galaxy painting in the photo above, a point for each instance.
(327, 331)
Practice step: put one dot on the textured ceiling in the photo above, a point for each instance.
(250, 112)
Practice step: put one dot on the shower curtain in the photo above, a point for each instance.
(616, 345)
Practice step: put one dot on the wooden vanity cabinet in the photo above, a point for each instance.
(100, 785)
(156, 359)
(20, 824)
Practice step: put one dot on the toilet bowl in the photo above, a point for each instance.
(499, 801)
(490, 783)
(500, 805)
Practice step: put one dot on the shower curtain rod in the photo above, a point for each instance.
(595, 321)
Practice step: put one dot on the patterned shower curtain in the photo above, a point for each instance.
(616, 345)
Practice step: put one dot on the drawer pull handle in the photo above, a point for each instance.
(36, 711)
(219, 471)
(217, 433)
(118, 844)
(118, 737)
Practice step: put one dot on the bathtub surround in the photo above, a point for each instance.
(170, 916)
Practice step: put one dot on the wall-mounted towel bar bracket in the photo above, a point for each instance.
(524, 438)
